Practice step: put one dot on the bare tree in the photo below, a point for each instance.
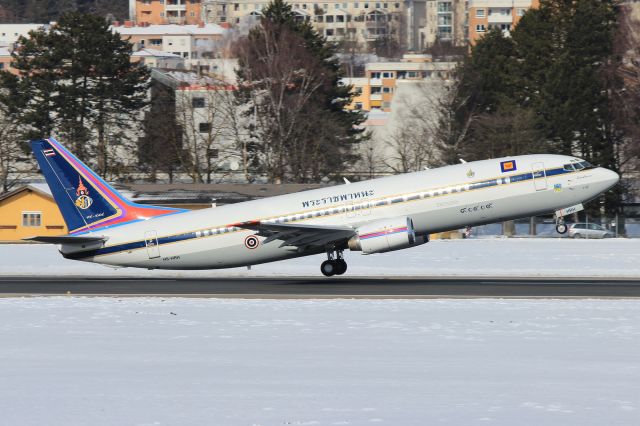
(208, 128)
(289, 75)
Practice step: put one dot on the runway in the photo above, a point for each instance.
(344, 287)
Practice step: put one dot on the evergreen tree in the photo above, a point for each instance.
(77, 80)
(290, 75)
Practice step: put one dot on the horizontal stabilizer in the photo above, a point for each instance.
(67, 239)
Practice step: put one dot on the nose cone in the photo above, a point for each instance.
(608, 177)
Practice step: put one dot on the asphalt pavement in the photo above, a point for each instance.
(324, 287)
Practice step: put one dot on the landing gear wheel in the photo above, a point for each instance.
(341, 266)
(328, 268)
(561, 228)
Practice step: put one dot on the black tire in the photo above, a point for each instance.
(577, 236)
(561, 228)
(341, 266)
(328, 268)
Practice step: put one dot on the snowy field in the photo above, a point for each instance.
(500, 257)
(151, 361)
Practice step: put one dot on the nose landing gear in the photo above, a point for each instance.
(334, 266)
(561, 227)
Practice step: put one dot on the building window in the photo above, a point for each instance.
(213, 152)
(205, 127)
(329, 18)
(387, 75)
(358, 91)
(356, 5)
(480, 28)
(375, 90)
(375, 75)
(387, 90)
(236, 6)
(329, 32)
(358, 105)
(479, 13)
(1, 65)
(32, 219)
(197, 102)
(397, 5)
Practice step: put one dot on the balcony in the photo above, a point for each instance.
(176, 7)
(176, 20)
(498, 18)
(375, 97)
(375, 82)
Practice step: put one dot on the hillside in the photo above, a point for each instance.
(37, 11)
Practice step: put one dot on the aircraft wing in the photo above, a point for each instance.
(66, 239)
(301, 236)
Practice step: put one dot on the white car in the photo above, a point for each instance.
(589, 230)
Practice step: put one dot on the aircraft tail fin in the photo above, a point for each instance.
(85, 200)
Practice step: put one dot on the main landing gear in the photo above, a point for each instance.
(334, 266)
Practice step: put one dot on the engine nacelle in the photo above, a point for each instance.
(386, 235)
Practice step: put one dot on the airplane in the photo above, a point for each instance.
(372, 216)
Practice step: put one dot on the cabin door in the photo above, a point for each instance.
(539, 176)
(151, 241)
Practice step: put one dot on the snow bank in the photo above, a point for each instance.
(152, 361)
(552, 257)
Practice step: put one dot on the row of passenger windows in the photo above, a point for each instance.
(369, 204)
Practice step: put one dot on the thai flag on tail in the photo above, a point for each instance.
(49, 152)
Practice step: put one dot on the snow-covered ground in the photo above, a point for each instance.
(473, 257)
(152, 361)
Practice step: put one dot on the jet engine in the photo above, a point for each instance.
(386, 235)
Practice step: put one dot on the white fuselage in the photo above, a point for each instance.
(436, 200)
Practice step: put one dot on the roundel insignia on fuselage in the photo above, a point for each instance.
(251, 242)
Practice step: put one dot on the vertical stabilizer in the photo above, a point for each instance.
(85, 200)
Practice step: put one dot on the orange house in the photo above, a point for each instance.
(29, 211)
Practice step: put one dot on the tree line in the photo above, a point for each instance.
(44, 11)
(558, 83)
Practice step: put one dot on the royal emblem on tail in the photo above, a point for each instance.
(83, 201)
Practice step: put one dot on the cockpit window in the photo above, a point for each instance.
(586, 165)
(578, 166)
(568, 167)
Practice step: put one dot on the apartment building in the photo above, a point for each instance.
(485, 15)
(376, 90)
(363, 22)
(445, 21)
(9, 33)
(190, 42)
(153, 12)
(200, 108)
